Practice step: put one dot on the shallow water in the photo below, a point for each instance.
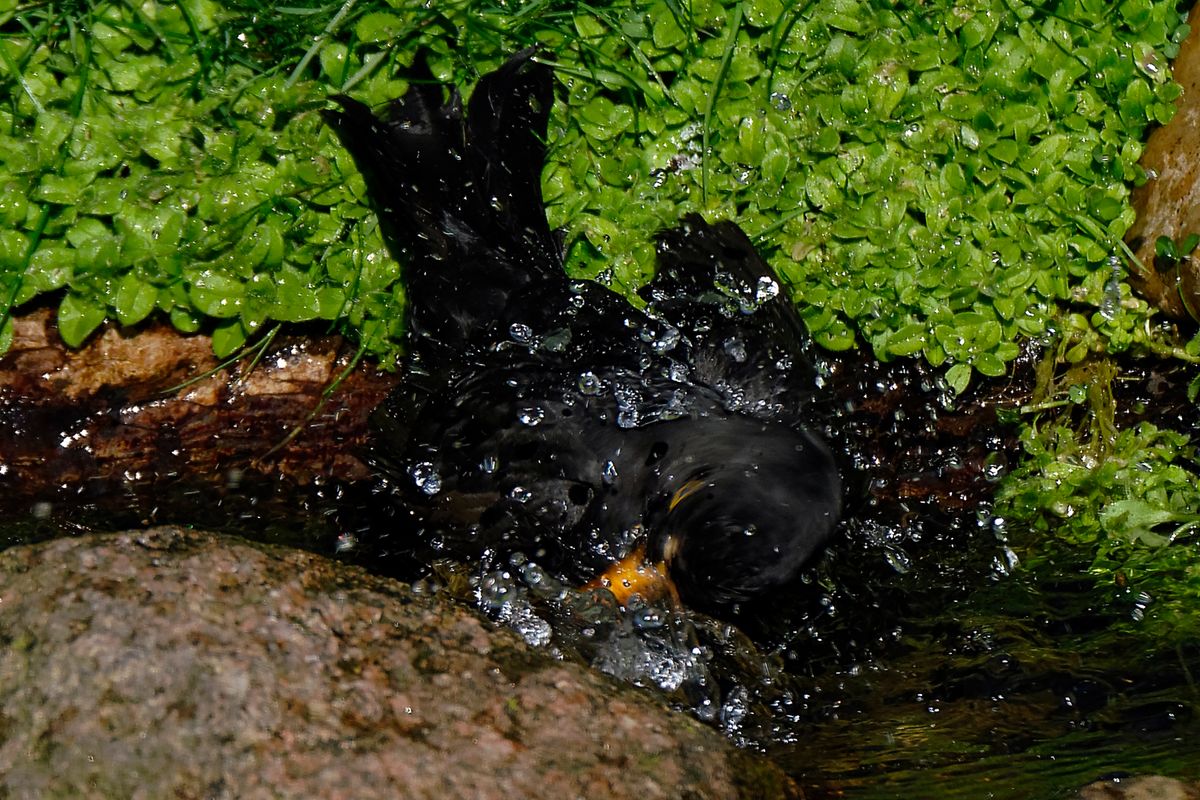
(1008, 689)
(902, 666)
(1054, 768)
(1022, 746)
(919, 658)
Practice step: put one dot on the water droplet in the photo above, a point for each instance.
(426, 477)
(533, 629)
(735, 708)
(532, 415)
(1006, 562)
(520, 494)
(489, 464)
(557, 341)
(898, 559)
(627, 400)
(736, 349)
(766, 289)
(780, 101)
(1112, 289)
(609, 473)
(666, 340)
(1141, 603)
(648, 619)
(495, 589)
(521, 333)
(589, 384)
(1149, 63)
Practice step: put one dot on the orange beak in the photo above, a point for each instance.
(635, 575)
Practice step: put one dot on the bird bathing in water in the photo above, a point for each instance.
(658, 451)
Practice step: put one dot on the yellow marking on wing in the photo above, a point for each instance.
(683, 492)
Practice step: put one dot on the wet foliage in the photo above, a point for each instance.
(157, 161)
(1111, 487)
(937, 180)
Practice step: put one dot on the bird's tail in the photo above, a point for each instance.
(459, 197)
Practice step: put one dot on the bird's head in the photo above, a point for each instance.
(742, 507)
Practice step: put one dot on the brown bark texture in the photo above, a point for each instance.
(108, 428)
(1168, 204)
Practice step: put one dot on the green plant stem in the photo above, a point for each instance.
(315, 48)
(734, 25)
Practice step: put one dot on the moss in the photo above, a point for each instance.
(516, 661)
(758, 779)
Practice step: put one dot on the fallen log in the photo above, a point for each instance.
(110, 432)
(104, 436)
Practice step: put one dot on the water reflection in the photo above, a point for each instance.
(918, 658)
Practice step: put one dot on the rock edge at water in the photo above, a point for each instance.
(175, 663)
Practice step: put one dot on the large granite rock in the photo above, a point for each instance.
(173, 663)
(1140, 787)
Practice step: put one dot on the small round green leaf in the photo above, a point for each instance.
(79, 315)
(958, 377)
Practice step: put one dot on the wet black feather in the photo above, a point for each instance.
(551, 416)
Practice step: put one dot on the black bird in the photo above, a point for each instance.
(548, 415)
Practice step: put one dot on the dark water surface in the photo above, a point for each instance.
(977, 702)
(890, 683)
(918, 659)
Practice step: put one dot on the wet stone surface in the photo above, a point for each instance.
(1140, 787)
(174, 663)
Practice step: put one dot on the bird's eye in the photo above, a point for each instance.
(657, 451)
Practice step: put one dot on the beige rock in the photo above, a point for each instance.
(173, 663)
(1141, 787)
(1169, 203)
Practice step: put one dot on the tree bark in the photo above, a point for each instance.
(106, 430)
(1168, 204)
(101, 438)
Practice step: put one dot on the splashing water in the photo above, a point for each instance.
(521, 333)
(1112, 289)
(647, 645)
(590, 385)
(531, 416)
(426, 478)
